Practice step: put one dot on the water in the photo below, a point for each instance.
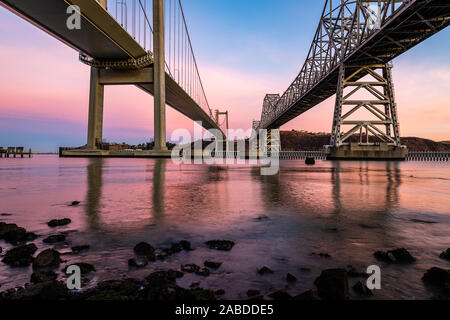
(345, 209)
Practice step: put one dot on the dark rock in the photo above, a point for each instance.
(265, 270)
(20, 256)
(43, 276)
(161, 286)
(353, 273)
(362, 289)
(47, 259)
(203, 295)
(127, 289)
(50, 291)
(310, 295)
(253, 293)
(423, 221)
(280, 295)
(175, 248)
(332, 284)
(195, 285)
(75, 203)
(1, 250)
(305, 269)
(85, 268)
(212, 264)
(174, 274)
(138, 264)
(444, 255)
(78, 249)
(223, 245)
(203, 272)
(400, 255)
(190, 268)
(186, 245)
(59, 222)
(55, 238)
(219, 292)
(146, 250)
(14, 234)
(310, 161)
(437, 277)
(291, 278)
(262, 217)
(322, 255)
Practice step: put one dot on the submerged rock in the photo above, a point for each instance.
(190, 268)
(43, 276)
(134, 263)
(85, 268)
(332, 284)
(162, 286)
(59, 222)
(253, 293)
(444, 255)
(310, 295)
(203, 272)
(291, 278)
(322, 255)
(219, 292)
(174, 274)
(75, 203)
(353, 273)
(146, 250)
(55, 238)
(437, 277)
(47, 259)
(51, 291)
(78, 249)
(310, 161)
(20, 256)
(280, 295)
(186, 245)
(265, 270)
(400, 255)
(212, 264)
(362, 289)
(223, 245)
(14, 234)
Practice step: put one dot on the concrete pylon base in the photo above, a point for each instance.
(355, 151)
(116, 154)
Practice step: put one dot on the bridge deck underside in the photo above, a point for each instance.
(101, 37)
(404, 30)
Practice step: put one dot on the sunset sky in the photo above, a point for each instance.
(243, 51)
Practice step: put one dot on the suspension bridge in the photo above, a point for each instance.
(350, 56)
(145, 43)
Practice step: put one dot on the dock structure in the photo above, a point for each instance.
(15, 151)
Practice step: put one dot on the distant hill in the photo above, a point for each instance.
(304, 141)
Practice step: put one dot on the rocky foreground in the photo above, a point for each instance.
(332, 284)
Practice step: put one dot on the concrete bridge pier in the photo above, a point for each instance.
(159, 79)
(96, 100)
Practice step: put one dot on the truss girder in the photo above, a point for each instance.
(354, 33)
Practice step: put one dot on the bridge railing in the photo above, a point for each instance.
(428, 156)
(136, 16)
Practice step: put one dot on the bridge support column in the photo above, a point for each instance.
(95, 123)
(372, 115)
(159, 76)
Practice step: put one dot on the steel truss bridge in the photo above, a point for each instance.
(350, 56)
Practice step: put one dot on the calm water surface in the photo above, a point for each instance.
(345, 209)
